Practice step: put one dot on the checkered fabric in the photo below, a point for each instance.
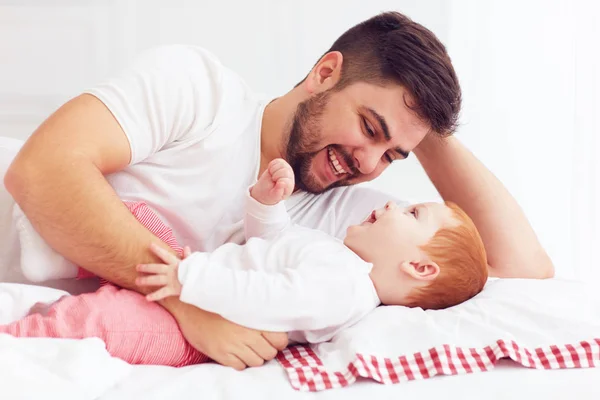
(306, 371)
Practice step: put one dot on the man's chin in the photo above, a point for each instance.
(311, 185)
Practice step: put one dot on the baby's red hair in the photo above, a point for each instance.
(460, 254)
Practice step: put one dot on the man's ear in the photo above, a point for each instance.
(326, 73)
(423, 270)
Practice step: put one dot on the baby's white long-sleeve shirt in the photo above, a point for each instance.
(290, 279)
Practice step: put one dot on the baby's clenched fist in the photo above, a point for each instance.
(275, 184)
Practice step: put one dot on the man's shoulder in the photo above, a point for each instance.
(220, 92)
(205, 72)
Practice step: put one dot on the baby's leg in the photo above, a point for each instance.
(134, 329)
(39, 262)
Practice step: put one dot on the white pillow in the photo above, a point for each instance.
(547, 324)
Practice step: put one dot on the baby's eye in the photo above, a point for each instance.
(414, 212)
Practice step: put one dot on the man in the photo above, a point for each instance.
(178, 130)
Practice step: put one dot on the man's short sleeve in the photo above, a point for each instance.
(167, 94)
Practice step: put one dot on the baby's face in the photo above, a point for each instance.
(397, 233)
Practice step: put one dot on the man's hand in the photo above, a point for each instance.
(223, 341)
(275, 184)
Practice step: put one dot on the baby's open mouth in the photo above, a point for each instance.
(371, 218)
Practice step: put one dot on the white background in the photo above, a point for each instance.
(529, 72)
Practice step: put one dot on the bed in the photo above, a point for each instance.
(81, 369)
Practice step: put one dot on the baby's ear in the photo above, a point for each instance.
(423, 270)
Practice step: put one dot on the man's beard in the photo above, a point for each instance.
(303, 144)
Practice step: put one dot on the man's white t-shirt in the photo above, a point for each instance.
(192, 126)
(194, 130)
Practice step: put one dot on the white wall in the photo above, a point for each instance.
(529, 71)
(530, 75)
(52, 49)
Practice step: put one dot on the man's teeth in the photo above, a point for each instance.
(336, 164)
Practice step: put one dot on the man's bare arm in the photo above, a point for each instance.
(512, 246)
(58, 181)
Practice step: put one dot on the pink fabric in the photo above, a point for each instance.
(134, 329)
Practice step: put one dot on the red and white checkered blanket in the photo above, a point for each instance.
(551, 324)
(306, 370)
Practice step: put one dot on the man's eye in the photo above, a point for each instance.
(368, 128)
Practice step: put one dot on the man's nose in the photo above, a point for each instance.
(367, 160)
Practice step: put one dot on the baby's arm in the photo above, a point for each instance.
(310, 298)
(323, 292)
(266, 215)
(290, 300)
(264, 221)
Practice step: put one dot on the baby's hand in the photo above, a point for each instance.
(275, 184)
(163, 275)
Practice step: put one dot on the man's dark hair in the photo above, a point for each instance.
(391, 48)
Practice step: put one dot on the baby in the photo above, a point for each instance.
(285, 278)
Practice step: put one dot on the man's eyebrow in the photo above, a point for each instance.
(386, 131)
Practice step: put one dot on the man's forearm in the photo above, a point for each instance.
(512, 246)
(78, 213)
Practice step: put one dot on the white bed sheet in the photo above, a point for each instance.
(85, 364)
(507, 381)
